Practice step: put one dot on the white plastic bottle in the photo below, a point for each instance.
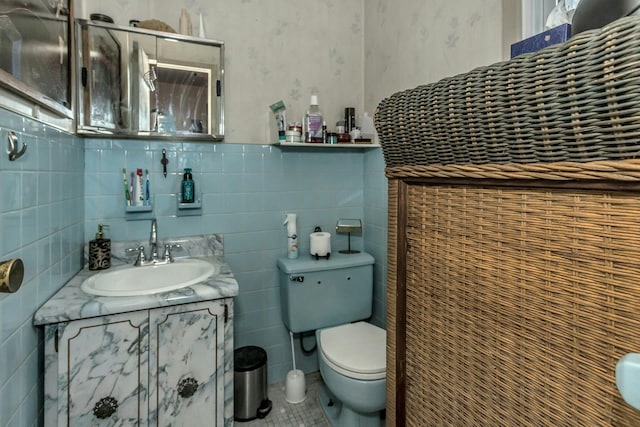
(292, 236)
(313, 121)
(185, 22)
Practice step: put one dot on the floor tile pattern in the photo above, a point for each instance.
(284, 414)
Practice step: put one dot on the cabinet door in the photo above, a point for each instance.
(186, 371)
(103, 371)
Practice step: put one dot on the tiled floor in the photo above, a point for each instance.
(284, 414)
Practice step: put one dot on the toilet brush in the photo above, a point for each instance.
(295, 388)
(293, 353)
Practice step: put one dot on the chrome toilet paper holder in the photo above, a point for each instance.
(348, 226)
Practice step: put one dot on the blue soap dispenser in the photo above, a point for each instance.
(188, 187)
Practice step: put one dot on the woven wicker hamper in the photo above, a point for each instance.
(514, 238)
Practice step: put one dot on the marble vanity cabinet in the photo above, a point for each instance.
(150, 360)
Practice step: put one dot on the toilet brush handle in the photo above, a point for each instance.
(293, 354)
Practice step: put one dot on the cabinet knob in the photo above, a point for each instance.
(105, 407)
(187, 387)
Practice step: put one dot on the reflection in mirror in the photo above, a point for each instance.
(143, 78)
(147, 83)
(185, 88)
(34, 51)
(101, 72)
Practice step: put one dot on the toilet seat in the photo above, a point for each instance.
(356, 350)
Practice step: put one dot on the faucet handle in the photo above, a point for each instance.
(167, 251)
(141, 256)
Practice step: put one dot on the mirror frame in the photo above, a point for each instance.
(216, 133)
(26, 100)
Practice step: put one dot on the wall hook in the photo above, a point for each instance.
(12, 151)
(164, 162)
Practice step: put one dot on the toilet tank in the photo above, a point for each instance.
(315, 294)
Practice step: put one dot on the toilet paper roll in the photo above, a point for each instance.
(320, 243)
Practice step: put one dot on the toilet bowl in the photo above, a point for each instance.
(332, 296)
(352, 363)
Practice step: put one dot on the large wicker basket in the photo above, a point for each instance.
(513, 261)
(573, 102)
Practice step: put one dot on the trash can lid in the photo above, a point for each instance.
(249, 358)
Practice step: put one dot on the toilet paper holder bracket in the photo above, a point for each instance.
(348, 226)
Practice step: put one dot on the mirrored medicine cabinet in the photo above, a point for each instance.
(35, 64)
(134, 82)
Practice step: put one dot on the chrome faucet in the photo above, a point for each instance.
(153, 240)
(154, 259)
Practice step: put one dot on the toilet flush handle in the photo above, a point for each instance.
(296, 278)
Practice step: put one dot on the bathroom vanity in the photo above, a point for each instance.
(144, 360)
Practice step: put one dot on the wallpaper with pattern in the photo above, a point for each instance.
(413, 42)
(275, 50)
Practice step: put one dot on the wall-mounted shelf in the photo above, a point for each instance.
(134, 213)
(327, 146)
(145, 208)
(189, 209)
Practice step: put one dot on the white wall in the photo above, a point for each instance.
(414, 42)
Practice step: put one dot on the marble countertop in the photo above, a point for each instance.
(71, 303)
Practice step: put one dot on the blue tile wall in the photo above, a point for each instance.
(41, 222)
(375, 239)
(54, 197)
(246, 191)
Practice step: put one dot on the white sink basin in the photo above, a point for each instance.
(128, 280)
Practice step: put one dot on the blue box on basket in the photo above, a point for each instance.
(555, 35)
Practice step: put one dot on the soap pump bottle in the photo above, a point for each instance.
(188, 187)
(100, 251)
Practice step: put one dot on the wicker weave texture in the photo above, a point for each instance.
(573, 102)
(618, 170)
(391, 323)
(519, 304)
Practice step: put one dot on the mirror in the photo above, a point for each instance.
(34, 53)
(136, 82)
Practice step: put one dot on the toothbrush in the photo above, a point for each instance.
(132, 193)
(126, 187)
(147, 201)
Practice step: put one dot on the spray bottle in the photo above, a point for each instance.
(292, 236)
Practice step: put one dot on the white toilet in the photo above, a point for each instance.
(327, 295)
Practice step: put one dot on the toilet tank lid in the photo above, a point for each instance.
(307, 263)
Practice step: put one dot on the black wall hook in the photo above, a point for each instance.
(164, 162)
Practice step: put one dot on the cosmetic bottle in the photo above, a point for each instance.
(188, 187)
(185, 23)
(324, 132)
(349, 119)
(100, 251)
(313, 121)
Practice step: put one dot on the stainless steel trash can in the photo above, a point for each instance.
(250, 399)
